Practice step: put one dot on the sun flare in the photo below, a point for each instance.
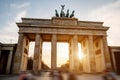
(80, 55)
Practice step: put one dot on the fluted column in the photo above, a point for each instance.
(9, 61)
(18, 55)
(37, 53)
(106, 52)
(74, 64)
(54, 51)
(71, 60)
(75, 53)
(91, 53)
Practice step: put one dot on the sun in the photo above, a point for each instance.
(80, 55)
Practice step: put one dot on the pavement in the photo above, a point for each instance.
(46, 76)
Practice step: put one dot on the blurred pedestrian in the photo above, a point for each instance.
(60, 75)
(55, 74)
(108, 74)
(30, 76)
(26, 76)
(22, 76)
(71, 76)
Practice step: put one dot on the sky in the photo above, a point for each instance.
(11, 11)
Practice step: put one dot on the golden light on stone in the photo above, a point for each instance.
(81, 36)
(80, 55)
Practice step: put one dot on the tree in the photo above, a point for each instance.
(65, 66)
(30, 64)
(44, 66)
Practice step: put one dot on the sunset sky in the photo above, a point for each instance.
(11, 11)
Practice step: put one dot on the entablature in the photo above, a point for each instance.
(61, 31)
(59, 22)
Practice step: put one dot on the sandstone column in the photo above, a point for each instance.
(37, 53)
(18, 54)
(75, 53)
(9, 61)
(85, 50)
(91, 53)
(74, 61)
(106, 52)
(71, 60)
(102, 57)
(54, 51)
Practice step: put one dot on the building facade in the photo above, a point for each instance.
(115, 55)
(7, 53)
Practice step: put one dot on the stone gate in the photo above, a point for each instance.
(91, 35)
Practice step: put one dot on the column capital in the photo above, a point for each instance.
(38, 34)
(21, 34)
(75, 36)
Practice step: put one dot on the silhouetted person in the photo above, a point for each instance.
(60, 77)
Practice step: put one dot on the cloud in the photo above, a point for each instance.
(9, 34)
(19, 6)
(110, 15)
(21, 14)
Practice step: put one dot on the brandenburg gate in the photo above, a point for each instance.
(91, 35)
(62, 28)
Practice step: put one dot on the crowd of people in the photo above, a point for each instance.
(54, 74)
(108, 74)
